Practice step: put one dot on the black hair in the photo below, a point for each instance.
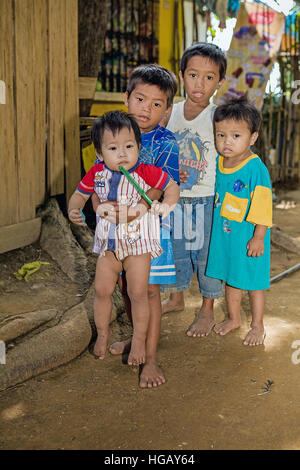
(113, 121)
(204, 49)
(153, 74)
(239, 109)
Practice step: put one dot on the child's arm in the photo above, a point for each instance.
(95, 201)
(255, 245)
(171, 196)
(76, 203)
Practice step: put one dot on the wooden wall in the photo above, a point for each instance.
(39, 131)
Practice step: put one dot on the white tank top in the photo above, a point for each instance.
(197, 150)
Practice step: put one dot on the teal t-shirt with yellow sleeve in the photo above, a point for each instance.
(243, 199)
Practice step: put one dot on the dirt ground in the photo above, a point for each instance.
(213, 397)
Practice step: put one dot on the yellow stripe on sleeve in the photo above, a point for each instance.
(260, 212)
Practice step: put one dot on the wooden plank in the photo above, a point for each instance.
(87, 87)
(114, 97)
(40, 53)
(109, 96)
(19, 235)
(56, 97)
(25, 110)
(98, 108)
(72, 138)
(8, 187)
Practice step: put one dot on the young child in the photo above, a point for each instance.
(202, 71)
(240, 243)
(128, 246)
(149, 96)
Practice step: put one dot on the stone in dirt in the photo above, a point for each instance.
(49, 349)
(13, 326)
(283, 240)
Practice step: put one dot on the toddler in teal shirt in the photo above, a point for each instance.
(239, 251)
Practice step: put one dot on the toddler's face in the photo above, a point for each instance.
(234, 139)
(148, 104)
(118, 149)
(201, 79)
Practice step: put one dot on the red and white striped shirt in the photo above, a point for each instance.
(134, 238)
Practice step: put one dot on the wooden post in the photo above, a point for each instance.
(9, 170)
(56, 96)
(72, 138)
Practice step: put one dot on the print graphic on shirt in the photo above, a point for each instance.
(133, 232)
(238, 186)
(232, 209)
(99, 181)
(192, 152)
(147, 154)
(217, 200)
(226, 227)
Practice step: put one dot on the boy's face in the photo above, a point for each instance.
(148, 104)
(201, 79)
(119, 149)
(234, 139)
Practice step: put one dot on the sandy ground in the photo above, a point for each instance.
(213, 397)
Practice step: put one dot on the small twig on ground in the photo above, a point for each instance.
(267, 387)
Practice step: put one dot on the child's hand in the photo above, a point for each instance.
(183, 176)
(107, 210)
(160, 208)
(77, 217)
(136, 212)
(255, 247)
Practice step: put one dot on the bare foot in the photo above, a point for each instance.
(137, 353)
(169, 305)
(101, 343)
(226, 326)
(255, 336)
(202, 326)
(151, 375)
(120, 347)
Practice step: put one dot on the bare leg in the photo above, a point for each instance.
(151, 375)
(256, 334)
(137, 274)
(174, 303)
(233, 298)
(123, 347)
(107, 270)
(205, 321)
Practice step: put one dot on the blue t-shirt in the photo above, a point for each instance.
(159, 147)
